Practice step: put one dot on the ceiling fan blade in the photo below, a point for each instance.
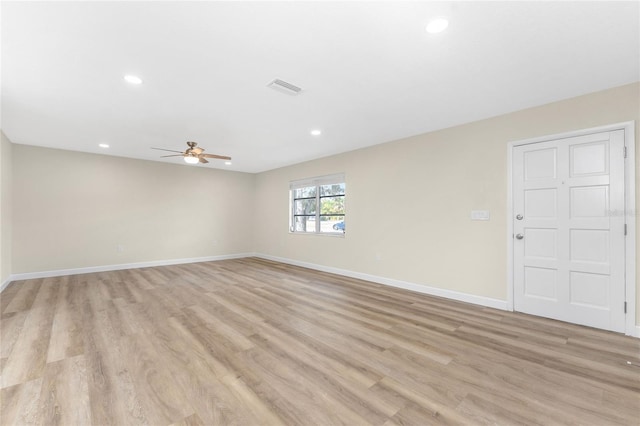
(175, 155)
(203, 161)
(169, 150)
(219, 157)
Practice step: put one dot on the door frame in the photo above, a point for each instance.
(631, 329)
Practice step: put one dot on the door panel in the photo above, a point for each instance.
(569, 263)
(589, 159)
(540, 203)
(540, 243)
(540, 164)
(589, 201)
(588, 245)
(540, 283)
(590, 290)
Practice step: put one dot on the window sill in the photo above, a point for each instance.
(324, 234)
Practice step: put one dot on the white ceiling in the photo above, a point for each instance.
(369, 71)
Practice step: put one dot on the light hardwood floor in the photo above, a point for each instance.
(250, 341)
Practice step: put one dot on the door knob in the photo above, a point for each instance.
(519, 217)
(519, 236)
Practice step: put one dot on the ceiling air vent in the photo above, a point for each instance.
(284, 87)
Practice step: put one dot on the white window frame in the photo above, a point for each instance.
(317, 182)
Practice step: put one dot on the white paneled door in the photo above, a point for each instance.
(568, 222)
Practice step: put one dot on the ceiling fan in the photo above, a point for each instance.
(193, 154)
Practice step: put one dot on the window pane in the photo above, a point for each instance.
(309, 191)
(332, 205)
(306, 207)
(304, 224)
(335, 189)
(332, 224)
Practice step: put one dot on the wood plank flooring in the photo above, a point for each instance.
(254, 342)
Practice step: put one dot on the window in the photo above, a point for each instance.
(317, 205)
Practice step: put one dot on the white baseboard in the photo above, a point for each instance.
(635, 332)
(433, 291)
(105, 268)
(5, 283)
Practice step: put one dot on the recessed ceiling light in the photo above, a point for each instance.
(437, 25)
(316, 132)
(132, 79)
(103, 145)
(227, 163)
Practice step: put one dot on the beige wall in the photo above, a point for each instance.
(73, 210)
(409, 201)
(5, 207)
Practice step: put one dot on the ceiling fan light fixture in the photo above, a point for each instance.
(193, 155)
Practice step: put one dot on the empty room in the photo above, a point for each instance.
(319, 213)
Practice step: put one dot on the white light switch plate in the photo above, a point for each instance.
(480, 215)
